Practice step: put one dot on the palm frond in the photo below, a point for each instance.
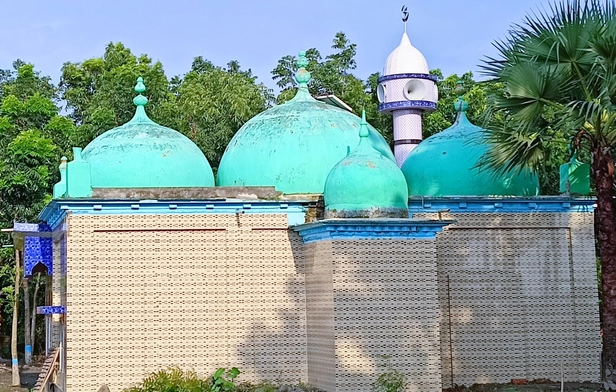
(557, 66)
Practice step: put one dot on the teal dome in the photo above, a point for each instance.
(293, 146)
(143, 154)
(366, 184)
(445, 165)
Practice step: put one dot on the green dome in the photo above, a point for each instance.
(366, 184)
(293, 146)
(445, 165)
(143, 154)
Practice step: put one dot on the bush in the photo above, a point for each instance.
(177, 380)
(172, 380)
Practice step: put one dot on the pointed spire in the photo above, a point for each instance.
(364, 146)
(140, 101)
(363, 128)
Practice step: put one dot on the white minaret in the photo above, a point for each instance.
(406, 89)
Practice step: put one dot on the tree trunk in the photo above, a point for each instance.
(15, 361)
(34, 304)
(603, 177)
(28, 344)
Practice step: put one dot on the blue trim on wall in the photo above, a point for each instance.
(496, 205)
(421, 105)
(352, 229)
(54, 212)
(407, 76)
(50, 310)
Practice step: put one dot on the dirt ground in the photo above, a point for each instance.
(531, 387)
(29, 375)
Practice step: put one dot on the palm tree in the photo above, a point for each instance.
(558, 69)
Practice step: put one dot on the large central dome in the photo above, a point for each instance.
(293, 146)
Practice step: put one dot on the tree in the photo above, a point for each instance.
(30, 127)
(558, 71)
(212, 103)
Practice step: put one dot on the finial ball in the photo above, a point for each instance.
(140, 86)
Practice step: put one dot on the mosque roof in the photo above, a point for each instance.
(144, 154)
(445, 164)
(365, 184)
(293, 146)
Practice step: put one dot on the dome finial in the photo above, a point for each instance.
(302, 76)
(140, 101)
(363, 128)
(460, 105)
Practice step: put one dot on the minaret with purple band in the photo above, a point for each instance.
(406, 90)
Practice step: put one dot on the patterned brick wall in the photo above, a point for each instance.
(518, 296)
(145, 292)
(372, 303)
(515, 295)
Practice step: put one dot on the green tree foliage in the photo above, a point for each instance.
(31, 131)
(211, 103)
(558, 70)
(32, 138)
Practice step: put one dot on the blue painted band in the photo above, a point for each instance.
(423, 105)
(408, 76)
(500, 205)
(352, 229)
(50, 310)
(28, 349)
(15, 362)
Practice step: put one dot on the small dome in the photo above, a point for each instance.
(293, 146)
(405, 59)
(143, 154)
(365, 184)
(445, 165)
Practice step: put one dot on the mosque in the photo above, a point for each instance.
(316, 254)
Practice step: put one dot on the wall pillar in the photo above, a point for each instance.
(372, 302)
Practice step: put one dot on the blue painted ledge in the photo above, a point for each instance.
(352, 229)
(476, 204)
(55, 211)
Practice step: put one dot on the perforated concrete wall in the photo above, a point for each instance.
(145, 292)
(372, 304)
(518, 297)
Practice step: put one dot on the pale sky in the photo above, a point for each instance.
(453, 35)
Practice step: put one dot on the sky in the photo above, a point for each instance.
(453, 35)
